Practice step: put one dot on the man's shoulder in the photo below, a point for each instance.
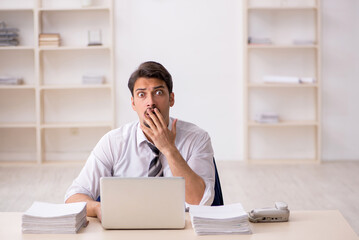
(190, 136)
(186, 128)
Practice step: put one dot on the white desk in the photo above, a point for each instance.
(326, 225)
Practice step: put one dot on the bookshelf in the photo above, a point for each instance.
(285, 42)
(53, 116)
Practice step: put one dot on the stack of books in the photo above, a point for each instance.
(267, 118)
(216, 220)
(49, 40)
(8, 36)
(54, 218)
(10, 80)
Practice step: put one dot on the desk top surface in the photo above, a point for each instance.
(302, 225)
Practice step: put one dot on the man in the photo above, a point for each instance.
(184, 149)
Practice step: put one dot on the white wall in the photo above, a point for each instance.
(200, 43)
(340, 73)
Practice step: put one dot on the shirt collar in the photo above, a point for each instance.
(141, 137)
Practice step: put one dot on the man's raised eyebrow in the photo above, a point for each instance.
(161, 86)
(154, 88)
(140, 89)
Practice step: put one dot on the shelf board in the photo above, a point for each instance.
(67, 48)
(282, 85)
(274, 46)
(283, 8)
(17, 125)
(94, 8)
(11, 87)
(16, 48)
(15, 9)
(76, 125)
(284, 124)
(20, 163)
(82, 86)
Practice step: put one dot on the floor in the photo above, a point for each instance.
(330, 185)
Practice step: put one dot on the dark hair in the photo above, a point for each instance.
(151, 70)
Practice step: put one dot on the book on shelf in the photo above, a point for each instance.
(49, 39)
(214, 220)
(49, 35)
(4, 80)
(51, 218)
(49, 44)
(288, 79)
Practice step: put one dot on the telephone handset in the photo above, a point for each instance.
(278, 214)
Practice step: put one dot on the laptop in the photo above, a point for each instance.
(143, 203)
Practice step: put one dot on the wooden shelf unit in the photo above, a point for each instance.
(282, 58)
(52, 79)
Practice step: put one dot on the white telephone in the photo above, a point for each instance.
(278, 214)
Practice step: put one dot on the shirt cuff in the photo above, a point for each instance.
(75, 190)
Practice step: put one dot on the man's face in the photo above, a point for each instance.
(150, 93)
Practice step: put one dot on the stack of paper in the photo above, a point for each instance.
(303, 42)
(288, 79)
(93, 79)
(267, 118)
(307, 80)
(227, 219)
(8, 36)
(54, 218)
(257, 40)
(280, 79)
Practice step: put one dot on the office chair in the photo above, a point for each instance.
(218, 197)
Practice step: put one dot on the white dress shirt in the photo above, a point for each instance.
(123, 152)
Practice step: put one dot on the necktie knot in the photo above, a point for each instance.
(154, 149)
